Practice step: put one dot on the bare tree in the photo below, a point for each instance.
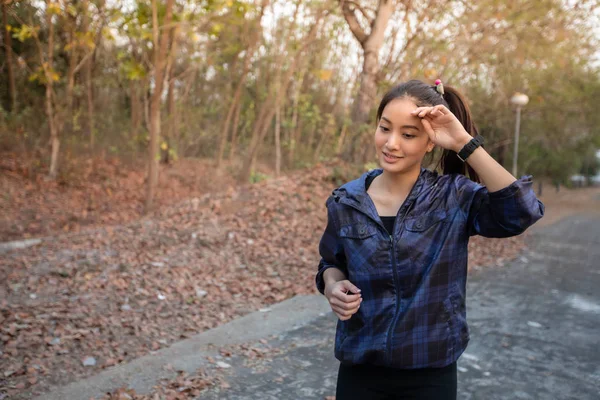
(10, 76)
(253, 43)
(268, 108)
(371, 43)
(160, 43)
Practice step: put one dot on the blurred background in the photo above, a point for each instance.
(253, 89)
(129, 126)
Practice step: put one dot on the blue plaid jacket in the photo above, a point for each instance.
(413, 282)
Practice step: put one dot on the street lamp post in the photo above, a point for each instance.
(520, 100)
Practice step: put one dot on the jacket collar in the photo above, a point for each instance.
(354, 193)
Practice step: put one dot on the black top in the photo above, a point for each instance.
(388, 221)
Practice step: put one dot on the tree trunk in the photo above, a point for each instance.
(171, 110)
(295, 135)
(294, 128)
(12, 92)
(340, 143)
(52, 123)
(234, 133)
(311, 136)
(368, 86)
(89, 89)
(277, 140)
(284, 111)
(262, 125)
(171, 115)
(322, 140)
(159, 64)
(136, 108)
(238, 91)
(327, 132)
(54, 142)
(371, 45)
(73, 55)
(144, 90)
(232, 107)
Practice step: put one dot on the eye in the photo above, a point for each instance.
(408, 135)
(383, 128)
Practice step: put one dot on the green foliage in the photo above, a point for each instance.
(256, 177)
(133, 70)
(24, 32)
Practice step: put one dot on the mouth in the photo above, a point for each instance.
(390, 156)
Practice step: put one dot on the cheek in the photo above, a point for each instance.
(416, 147)
(380, 139)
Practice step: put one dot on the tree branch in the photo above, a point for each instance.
(362, 10)
(379, 24)
(353, 23)
(96, 41)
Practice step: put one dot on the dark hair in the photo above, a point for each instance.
(426, 95)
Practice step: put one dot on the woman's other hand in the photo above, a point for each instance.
(344, 298)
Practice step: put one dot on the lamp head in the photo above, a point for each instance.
(519, 99)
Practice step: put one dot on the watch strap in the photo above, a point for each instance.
(470, 147)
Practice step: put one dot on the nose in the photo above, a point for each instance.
(393, 142)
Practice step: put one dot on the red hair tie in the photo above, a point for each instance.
(439, 87)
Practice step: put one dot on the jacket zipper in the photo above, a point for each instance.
(398, 299)
(397, 279)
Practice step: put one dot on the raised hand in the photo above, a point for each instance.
(443, 128)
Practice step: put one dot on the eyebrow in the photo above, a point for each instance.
(403, 126)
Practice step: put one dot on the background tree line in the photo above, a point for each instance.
(289, 82)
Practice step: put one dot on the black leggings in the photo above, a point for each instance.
(368, 382)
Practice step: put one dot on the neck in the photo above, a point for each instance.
(399, 184)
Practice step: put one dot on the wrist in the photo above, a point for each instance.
(466, 138)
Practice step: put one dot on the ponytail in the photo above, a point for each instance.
(449, 161)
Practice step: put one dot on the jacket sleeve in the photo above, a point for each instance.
(504, 213)
(330, 249)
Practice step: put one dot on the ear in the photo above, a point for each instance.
(430, 146)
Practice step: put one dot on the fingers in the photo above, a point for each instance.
(436, 111)
(428, 129)
(349, 286)
(345, 314)
(421, 111)
(344, 305)
(341, 305)
(344, 318)
(347, 292)
(346, 298)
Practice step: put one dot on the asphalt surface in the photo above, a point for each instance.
(535, 331)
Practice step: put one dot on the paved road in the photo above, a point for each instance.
(535, 331)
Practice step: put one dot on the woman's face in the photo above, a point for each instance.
(400, 139)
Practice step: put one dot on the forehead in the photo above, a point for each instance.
(398, 111)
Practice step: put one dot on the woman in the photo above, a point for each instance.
(394, 252)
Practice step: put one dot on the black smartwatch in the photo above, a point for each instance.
(470, 147)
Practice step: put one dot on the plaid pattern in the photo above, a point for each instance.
(413, 283)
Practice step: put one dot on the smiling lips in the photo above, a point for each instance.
(390, 158)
